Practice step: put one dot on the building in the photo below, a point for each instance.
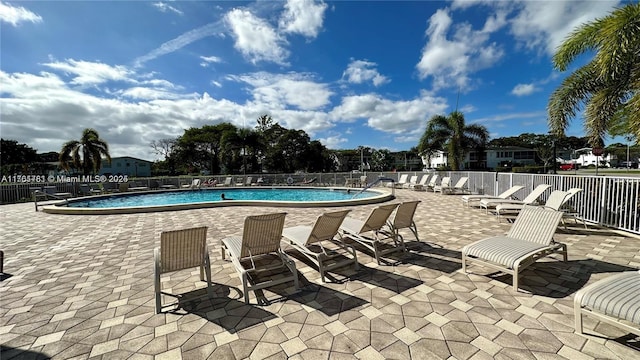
(508, 156)
(126, 165)
(435, 160)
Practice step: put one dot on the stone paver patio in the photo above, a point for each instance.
(81, 287)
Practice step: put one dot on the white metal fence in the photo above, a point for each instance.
(612, 201)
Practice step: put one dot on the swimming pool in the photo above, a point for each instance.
(151, 201)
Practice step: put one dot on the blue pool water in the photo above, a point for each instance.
(209, 195)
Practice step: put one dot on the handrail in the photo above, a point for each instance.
(41, 194)
(379, 180)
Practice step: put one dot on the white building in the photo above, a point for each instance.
(585, 157)
(435, 160)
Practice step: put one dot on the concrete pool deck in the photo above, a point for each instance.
(81, 287)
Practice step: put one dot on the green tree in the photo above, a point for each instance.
(12, 152)
(84, 154)
(381, 160)
(450, 133)
(609, 84)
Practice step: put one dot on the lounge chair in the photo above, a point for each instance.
(370, 233)
(227, 181)
(179, 250)
(531, 199)
(195, 184)
(445, 183)
(554, 202)
(433, 182)
(423, 182)
(530, 238)
(319, 245)
(460, 187)
(403, 219)
(614, 300)
(401, 181)
(52, 192)
(260, 240)
(469, 199)
(412, 181)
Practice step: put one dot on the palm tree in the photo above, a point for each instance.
(85, 154)
(608, 84)
(451, 133)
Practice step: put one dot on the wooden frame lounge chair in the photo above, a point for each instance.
(319, 245)
(530, 238)
(490, 204)
(179, 250)
(469, 199)
(403, 219)
(614, 300)
(421, 185)
(260, 239)
(370, 233)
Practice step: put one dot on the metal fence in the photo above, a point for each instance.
(612, 201)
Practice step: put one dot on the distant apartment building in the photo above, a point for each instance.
(126, 165)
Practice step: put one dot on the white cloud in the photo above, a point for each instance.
(543, 25)
(396, 117)
(284, 90)
(450, 61)
(17, 14)
(255, 38)
(359, 71)
(501, 118)
(91, 73)
(303, 17)
(208, 60)
(333, 142)
(164, 7)
(524, 89)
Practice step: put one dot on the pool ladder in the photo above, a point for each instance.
(378, 181)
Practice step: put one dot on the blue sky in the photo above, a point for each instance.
(350, 74)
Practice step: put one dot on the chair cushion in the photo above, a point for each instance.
(501, 250)
(617, 296)
(234, 245)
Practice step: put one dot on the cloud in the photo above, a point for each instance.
(255, 38)
(396, 117)
(91, 73)
(500, 118)
(181, 41)
(359, 71)
(303, 17)
(333, 142)
(164, 7)
(524, 89)
(450, 61)
(14, 15)
(208, 60)
(293, 89)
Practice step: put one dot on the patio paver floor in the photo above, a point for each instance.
(81, 287)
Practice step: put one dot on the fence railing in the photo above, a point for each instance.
(612, 201)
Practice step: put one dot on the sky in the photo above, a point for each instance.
(349, 73)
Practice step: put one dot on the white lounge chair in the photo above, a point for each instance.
(423, 182)
(319, 245)
(490, 204)
(460, 187)
(370, 233)
(554, 201)
(445, 183)
(614, 300)
(260, 239)
(179, 250)
(413, 180)
(530, 238)
(401, 181)
(227, 181)
(433, 182)
(469, 199)
(195, 184)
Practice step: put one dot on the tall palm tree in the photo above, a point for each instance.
(451, 133)
(609, 84)
(85, 154)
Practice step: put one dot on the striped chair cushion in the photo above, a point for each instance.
(617, 296)
(502, 250)
(233, 244)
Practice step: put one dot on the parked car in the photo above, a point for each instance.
(567, 166)
(628, 164)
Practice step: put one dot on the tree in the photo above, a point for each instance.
(451, 133)
(11, 152)
(609, 84)
(84, 154)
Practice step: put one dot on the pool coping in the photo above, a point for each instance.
(59, 208)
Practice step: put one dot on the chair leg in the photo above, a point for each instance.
(245, 288)
(207, 269)
(158, 289)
